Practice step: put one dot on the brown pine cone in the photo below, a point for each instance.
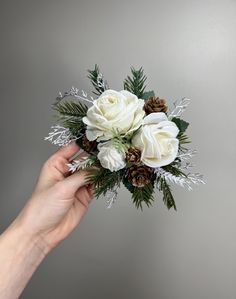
(88, 146)
(140, 176)
(155, 104)
(133, 155)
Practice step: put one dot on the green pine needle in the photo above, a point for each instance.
(142, 195)
(183, 138)
(168, 198)
(71, 109)
(70, 115)
(174, 170)
(136, 82)
(104, 180)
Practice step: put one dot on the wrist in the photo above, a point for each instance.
(20, 255)
(26, 241)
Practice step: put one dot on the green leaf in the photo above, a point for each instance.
(148, 94)
(143, 195)
(180, 123)
(136, 82)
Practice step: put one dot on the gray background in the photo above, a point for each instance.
(187, 48)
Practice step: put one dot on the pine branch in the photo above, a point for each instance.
(76, 127)
(142, 195)
(168, 198)
(104, 180)
(71, 109)
(70, 115)
(135, 83)
(183, 138)
(174, 170)
(97, 80)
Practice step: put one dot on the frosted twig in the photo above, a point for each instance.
(187, 155)
(196, 178)
(76, 93)
(187, 166)
(110, 197)
(179, 108)
(80, 164)
(60, 136)
(183, 181)
(102, 84)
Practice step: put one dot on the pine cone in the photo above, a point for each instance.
(155, 104)
(133, 155)
(140, 176)
(88, 146)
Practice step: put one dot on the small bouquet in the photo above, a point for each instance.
(130, 137)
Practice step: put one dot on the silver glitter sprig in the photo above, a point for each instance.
(76, 93)
(187, 155)
(80, 164)
(179, 108)
(187, 165)
(185, 182)
(60, 136)
(101, 82)
(111, 197)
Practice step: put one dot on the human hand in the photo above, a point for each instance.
(58, 202)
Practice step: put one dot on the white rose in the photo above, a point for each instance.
(157, 140)
(113, 110)
(110, 157)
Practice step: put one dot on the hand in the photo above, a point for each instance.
(58, 202)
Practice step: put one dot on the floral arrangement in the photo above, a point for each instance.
(130, 137)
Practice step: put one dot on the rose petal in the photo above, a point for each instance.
(154, 118)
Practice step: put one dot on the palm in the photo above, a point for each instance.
(66, 202)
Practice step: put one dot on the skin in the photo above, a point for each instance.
(56, 206)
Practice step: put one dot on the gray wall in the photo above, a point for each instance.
(187, 48)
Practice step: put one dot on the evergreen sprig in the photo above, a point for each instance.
(70, 114)
(136, 82)
(168, 198)
(142, 195)
(104, 180)
(174, 170)
(183, 139)
(96, 78)
(71, 109)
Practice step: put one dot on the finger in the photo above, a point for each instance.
(81, 155)
(75, 181)
(90, 189)
(83, 196)
(68, 151)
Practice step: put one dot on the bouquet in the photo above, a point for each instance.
(131, 138)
